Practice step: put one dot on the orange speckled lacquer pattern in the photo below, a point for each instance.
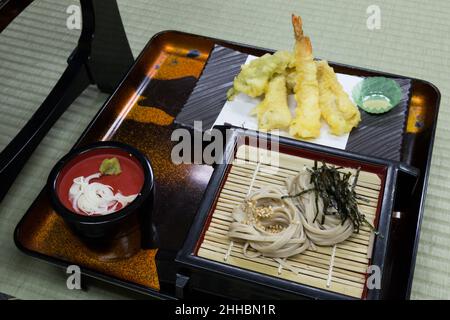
(133, 117)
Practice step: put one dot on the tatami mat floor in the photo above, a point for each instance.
(413, 41)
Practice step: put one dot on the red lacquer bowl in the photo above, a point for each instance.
(136, 178)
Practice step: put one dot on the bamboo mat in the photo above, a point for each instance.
(339, 268)
(413, 41)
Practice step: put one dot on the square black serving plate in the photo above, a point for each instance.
(197, 272)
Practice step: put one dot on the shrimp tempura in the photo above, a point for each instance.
(328, 103)
(306, 123)
(337, 109)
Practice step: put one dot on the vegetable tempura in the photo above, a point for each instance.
(273, 112)
(316, 88)
(254, 77)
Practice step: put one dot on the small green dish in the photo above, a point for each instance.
(377, 94)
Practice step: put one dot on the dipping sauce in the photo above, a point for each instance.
(377, 95)
(129, 182)
(377, 102)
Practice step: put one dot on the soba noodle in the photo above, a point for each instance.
(280, 227)
(268, 224)
(333, 230)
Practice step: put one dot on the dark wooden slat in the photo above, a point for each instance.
(9, 9)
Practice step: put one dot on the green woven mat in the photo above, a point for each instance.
(413, 41)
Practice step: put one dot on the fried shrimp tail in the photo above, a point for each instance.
(273, 112)
(306, 123)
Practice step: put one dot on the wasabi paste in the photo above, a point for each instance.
(110, 167)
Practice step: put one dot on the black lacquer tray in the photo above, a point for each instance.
(141, 112)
